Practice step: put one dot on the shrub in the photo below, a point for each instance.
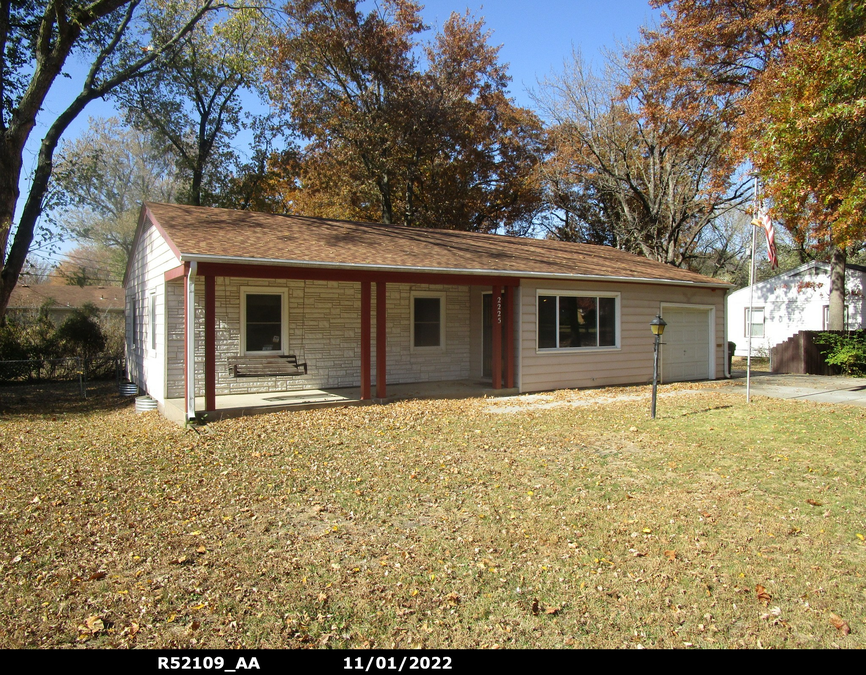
(846, 350)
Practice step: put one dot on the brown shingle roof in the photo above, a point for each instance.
(108, 298)
(198, 232)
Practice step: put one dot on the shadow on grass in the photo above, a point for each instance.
(706, 410)
(51, 398)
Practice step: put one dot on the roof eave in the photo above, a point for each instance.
(204, 258)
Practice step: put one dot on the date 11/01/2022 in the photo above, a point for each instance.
(379, 663)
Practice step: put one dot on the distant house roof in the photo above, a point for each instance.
(813, 266)
(222, 235)
(105, 298)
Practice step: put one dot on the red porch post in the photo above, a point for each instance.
(380, 340)
(366, 311)
(496, 324)
(210, 342)
(509, 337)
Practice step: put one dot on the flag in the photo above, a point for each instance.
(763, 220)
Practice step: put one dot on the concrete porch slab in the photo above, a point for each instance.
(237, 405)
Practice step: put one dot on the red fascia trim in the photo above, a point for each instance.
(176, 272)
(328, 274)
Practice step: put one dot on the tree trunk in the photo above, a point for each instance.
(836, 320)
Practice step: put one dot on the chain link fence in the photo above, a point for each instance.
(101, 367)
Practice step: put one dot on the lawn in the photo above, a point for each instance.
(571, 520)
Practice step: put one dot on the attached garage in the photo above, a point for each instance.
(687, 352)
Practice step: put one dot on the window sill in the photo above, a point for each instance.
(577, 350)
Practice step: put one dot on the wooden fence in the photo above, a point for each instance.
(800, 354)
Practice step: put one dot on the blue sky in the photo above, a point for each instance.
(536, 37)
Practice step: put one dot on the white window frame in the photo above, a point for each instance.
(133, 319)
(441, 296)
(748, 322)
(579, 294)
(284, 327)
(150, 343)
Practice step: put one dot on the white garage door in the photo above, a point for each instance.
(686, 350)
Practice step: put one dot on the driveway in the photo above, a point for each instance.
(820, 388)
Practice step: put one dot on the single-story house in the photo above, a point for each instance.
(790, 302)
(61, 300)
(224, 304)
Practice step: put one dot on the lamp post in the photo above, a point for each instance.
(657, 326)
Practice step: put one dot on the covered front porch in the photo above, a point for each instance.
(238, 405)
(362, 340)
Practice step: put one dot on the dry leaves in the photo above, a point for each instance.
(814, 502)
(763, 595)
(840, 624)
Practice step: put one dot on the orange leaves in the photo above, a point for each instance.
(540, 608)
(762, 594)
(840, 624)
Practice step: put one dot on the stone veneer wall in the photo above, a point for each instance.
(324, 330)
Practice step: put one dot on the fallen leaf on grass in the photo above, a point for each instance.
(671, 555)
(539, 607)
(94, 624)
(762, 594)
(201, 549)
(96, 576)
(814, 502)
(840, 624)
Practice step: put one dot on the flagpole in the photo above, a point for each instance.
(751, 304)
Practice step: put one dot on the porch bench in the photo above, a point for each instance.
(267, 366)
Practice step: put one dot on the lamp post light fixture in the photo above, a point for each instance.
(657, 326)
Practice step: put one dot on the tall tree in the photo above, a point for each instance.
(442, 147)
(37, 39)
(646, 184)
(809, 138)
(103, 176)
(194, 101)
(788, 74)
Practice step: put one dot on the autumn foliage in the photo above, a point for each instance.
(401, 131)
(788, 77)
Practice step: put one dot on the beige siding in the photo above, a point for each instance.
(632, 361)
(151, 259)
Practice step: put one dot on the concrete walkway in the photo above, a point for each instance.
(819, 388)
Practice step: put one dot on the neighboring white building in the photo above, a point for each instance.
(794, 301)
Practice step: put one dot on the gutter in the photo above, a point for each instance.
(282, 262)
(190, 341)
